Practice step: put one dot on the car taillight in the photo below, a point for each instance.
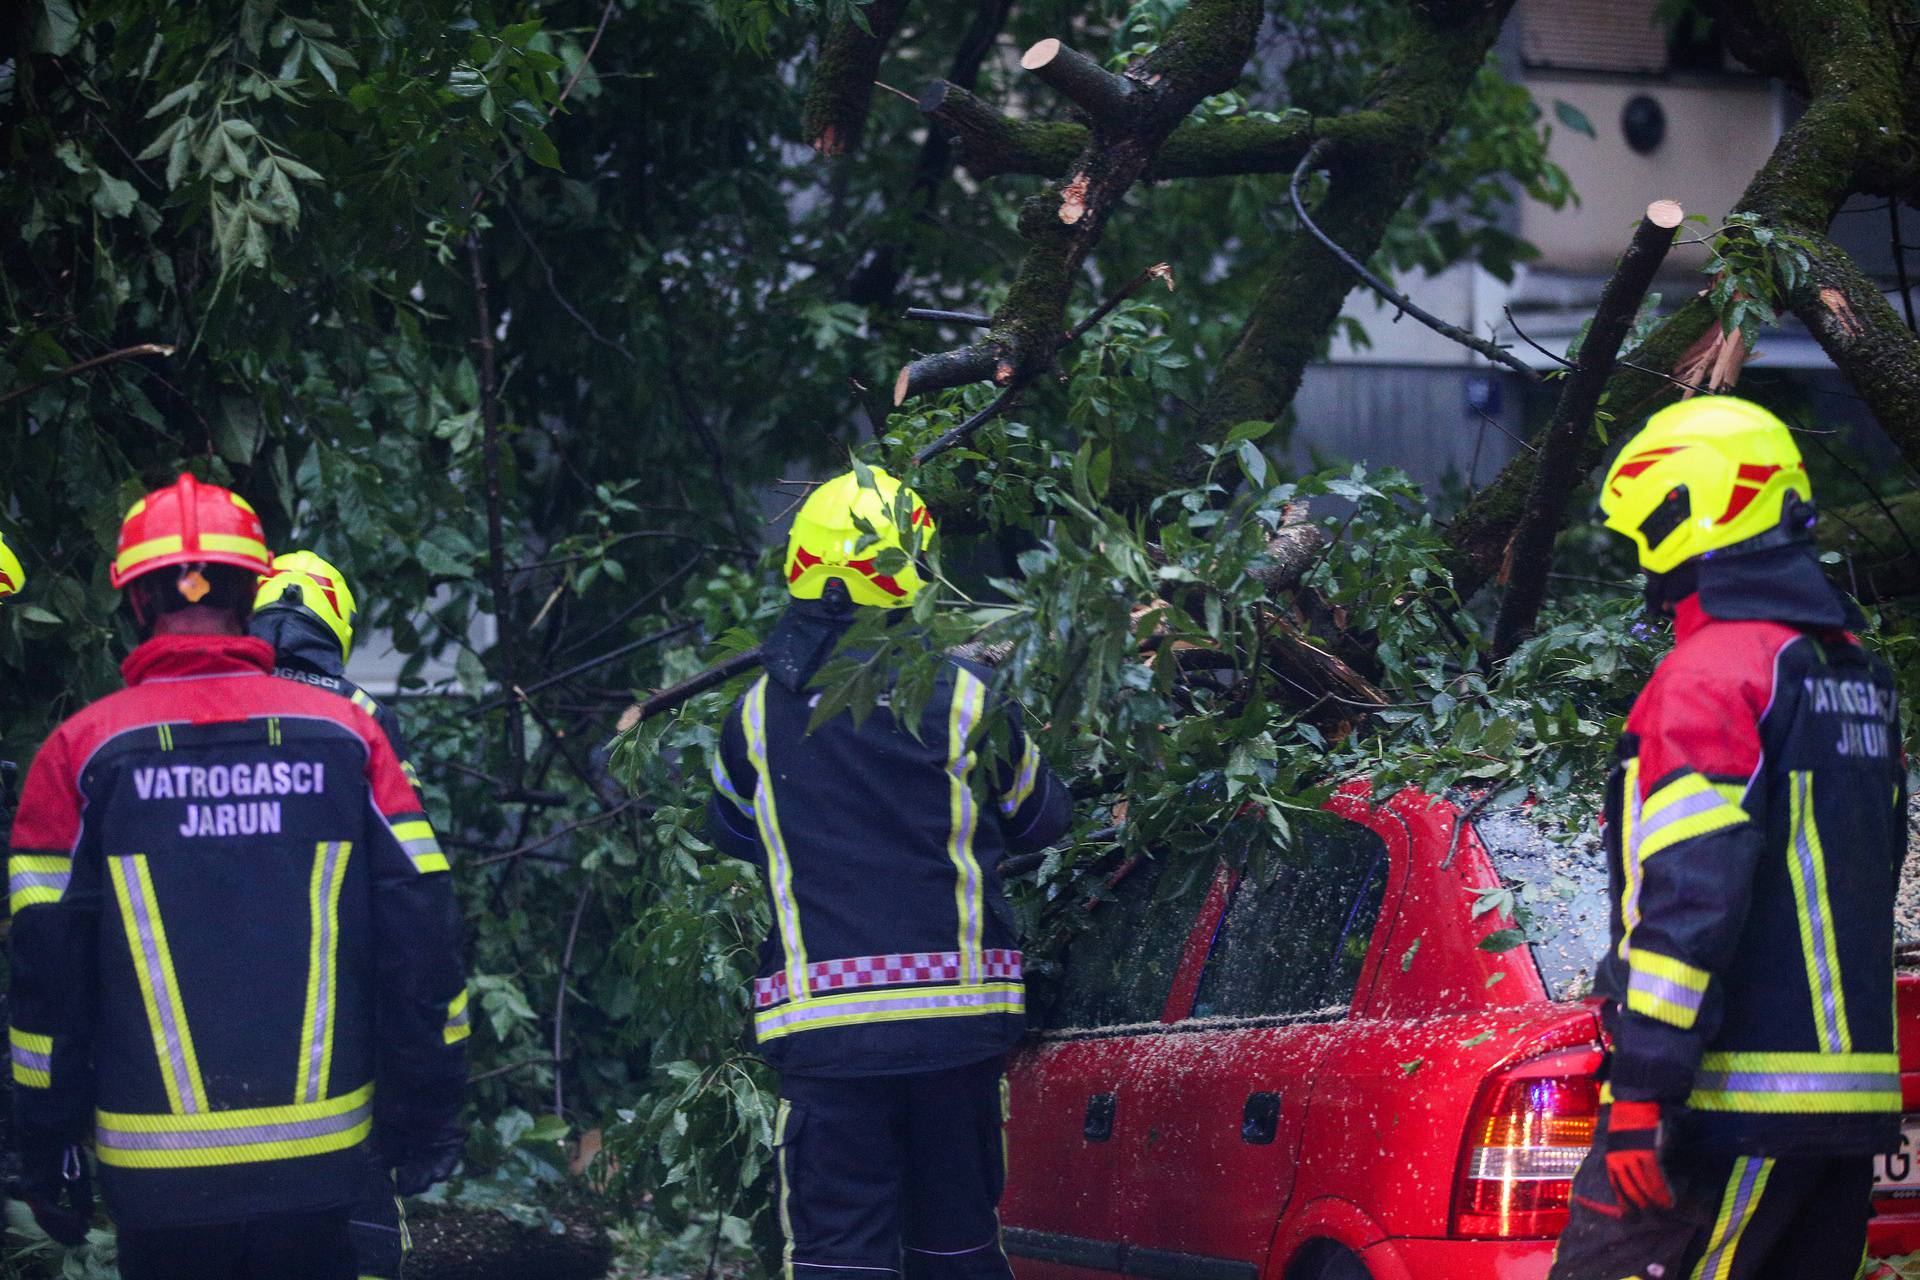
(1530, 1129)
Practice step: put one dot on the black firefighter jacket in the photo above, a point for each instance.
(893, 948)
(1757, 825)
(231, 943)
(304, 650)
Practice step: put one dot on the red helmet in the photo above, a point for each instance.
(189, 523)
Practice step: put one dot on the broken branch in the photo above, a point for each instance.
(1073, 75)
(1557, 470)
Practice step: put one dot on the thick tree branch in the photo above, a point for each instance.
(1557, 469)
(1861, 333)
(1848, 131)
(841, 90)
(1202, 54)
(1073, 75)
(1375, 156)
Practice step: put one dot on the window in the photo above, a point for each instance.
(1562, 887)
(1119, 968)
(1297, 933)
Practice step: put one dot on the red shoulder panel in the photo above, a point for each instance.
(1702, 708)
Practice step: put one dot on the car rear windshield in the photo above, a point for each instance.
(1559, 880)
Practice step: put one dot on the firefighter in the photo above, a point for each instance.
(305, 609)
(1756, 824)
(889, 989)
(232, 963)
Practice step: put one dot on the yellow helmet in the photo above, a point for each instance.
(12, 576)
(302, 580)
(1703, 475)
(845, 529)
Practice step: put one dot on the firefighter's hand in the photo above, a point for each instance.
(418, 1165)
(1633, 1157)
(58, 1188)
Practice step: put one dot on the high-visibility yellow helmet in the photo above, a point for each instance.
(1703, 475)
(12, 576)
(302, 580)
(828, 540)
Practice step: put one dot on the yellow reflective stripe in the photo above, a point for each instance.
(892, 1006)
(159, 984)
(1744, 1189)
(323, 968)
(247, 1136)
(1664, 988)
(1672, 970)
(421, 846)
(147, 550)
(1629, 853)
(233, 544)
(360, 699)
(39, 862)
(417, 829)
(1807, 863)
(969, 896)
(1685, 809)
(241, 502)
(786, 1188)
(1661, 1009)
(32, 1058)
(1766, 1060)
(38, 896)
(459, 1025)
(1734, 793)
(154, 1122)
(1023, 780)
(786, 909)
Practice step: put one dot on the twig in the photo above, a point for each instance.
(1453, 332)
(606, 15)
(962, 433)
(496, 539)
(560, 1000)
(124, 353)
(557, 833)
(521, 694)
(1460, 823)
(938, 316)
(1513, 324)
(626, 614)
(693, 686)
(542, 1061)
(1158, 271)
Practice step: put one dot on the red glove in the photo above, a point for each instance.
(1633, 1157)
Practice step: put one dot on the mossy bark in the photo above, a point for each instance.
(1857, 134)
(1380, 150)
(840, 91)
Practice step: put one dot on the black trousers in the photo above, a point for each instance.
(303, 1246)
(377, 1226)
(892, 1174)
(1734, 1218)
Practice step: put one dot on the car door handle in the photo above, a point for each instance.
(1099, 1122)
(1260, 1118)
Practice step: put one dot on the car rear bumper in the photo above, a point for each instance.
(1894, 1230)
(1410, 1259)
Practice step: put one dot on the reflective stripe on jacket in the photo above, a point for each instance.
(1756, 828)
(893, 948)
(232, 947)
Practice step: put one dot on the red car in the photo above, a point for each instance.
(1317, 1072)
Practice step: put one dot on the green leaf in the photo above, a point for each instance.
(34, 613)
(1406, 959)
(294, 169)
(1252, 429)
(1502, 940)
(185, 93)
(1482, 1038)
(1573, 117)
(58, 29)
(540, 148)
(114, 198)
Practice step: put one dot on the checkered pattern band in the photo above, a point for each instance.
(886, 971)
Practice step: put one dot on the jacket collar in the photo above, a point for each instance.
(1689, 617)
(187, 657)
(300, 640)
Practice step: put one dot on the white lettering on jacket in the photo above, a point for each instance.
(1870, 709)
(218, 781)
(253, 818)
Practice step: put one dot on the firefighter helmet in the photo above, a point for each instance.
(845, 530)
(189, 523)
(12, 576)
(1705, 475)
(302, 581)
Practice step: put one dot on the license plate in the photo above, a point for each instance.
(1898, 1172)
